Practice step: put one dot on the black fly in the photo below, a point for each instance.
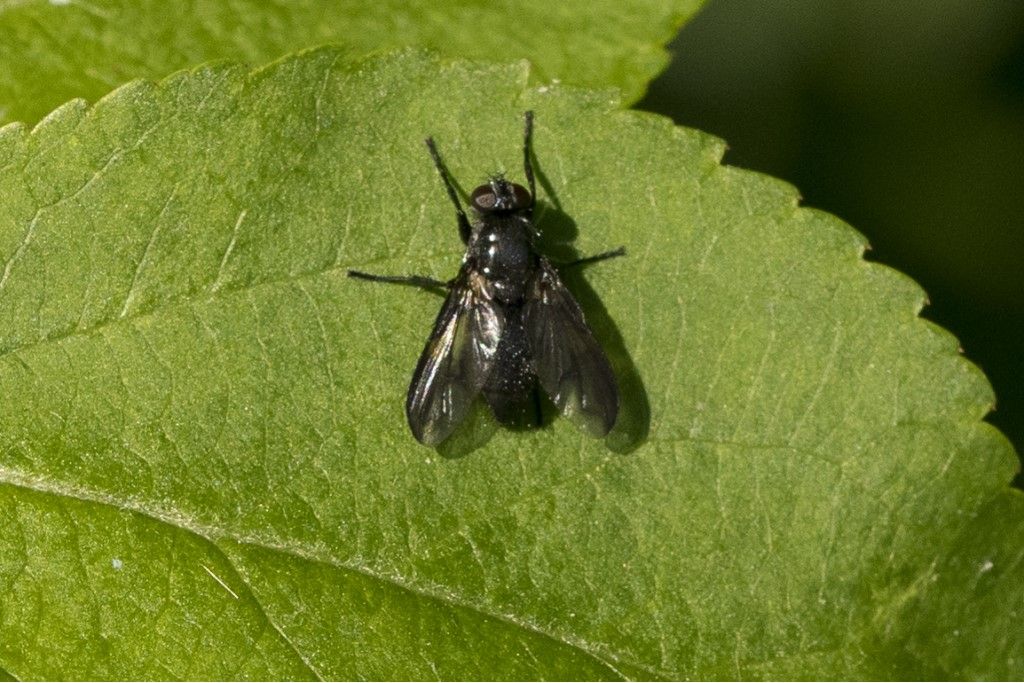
(507, 324)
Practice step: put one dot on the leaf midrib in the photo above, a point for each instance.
(211, 534)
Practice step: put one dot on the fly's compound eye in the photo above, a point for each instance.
(483, 199)
(521, 196)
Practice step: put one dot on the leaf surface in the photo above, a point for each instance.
(55, 50)
(207, 472)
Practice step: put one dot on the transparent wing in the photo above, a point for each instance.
(568, 361)
(455, 362)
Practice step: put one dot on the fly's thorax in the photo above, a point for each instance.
(502, 252)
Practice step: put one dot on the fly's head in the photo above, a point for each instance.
(500, 196)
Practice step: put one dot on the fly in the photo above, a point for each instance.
(508, 322)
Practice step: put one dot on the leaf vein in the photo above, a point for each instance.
(251, 594)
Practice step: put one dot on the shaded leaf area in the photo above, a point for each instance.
(799, 486)
(51, 52)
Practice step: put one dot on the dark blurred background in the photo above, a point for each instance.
(904, 118)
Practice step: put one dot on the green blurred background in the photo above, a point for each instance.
(903, 117)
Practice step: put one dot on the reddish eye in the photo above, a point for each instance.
(521, 196)
(482, 198)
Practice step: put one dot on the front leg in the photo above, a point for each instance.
(527, 161)
(465, 229)
(603, 256)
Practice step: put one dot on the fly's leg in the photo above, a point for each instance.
(414, 280)
(603, 256)
(527, 162)
(464, 232)
(464, 227)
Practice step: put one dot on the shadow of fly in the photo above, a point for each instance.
(508, 322)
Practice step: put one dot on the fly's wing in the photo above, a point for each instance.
(567, 360)
(455, 362)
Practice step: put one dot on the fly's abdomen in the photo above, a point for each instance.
(509, 390)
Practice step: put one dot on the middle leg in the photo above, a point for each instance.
(414, 280)
(603, 256)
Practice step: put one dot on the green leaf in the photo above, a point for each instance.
(55, 50)
(205, 464)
